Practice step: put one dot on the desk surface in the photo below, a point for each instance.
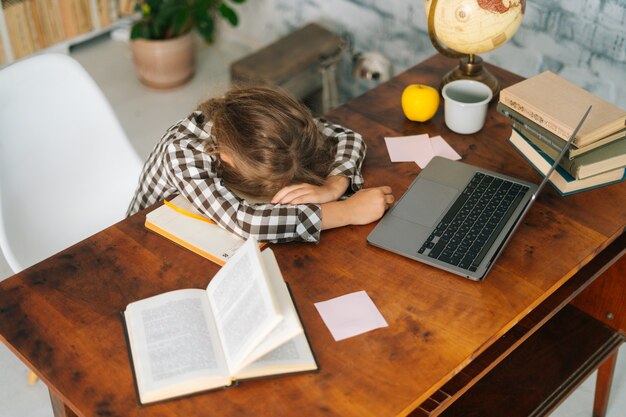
(62, 316)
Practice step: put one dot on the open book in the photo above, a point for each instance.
(181, 223)
(244, 325)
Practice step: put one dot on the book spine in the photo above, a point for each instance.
(70, 29)
(81, 14)
(570, 165)
(34, 21)
(537, 131)
(3, 55)
(53, 26)
(534, 114)
(104, 15)
(18, 28)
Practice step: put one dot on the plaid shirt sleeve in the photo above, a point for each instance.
(179, 163)
(194, 175)
(350, 152)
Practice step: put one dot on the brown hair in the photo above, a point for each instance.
(271, 138)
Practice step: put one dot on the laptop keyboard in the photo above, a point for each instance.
(465, 234)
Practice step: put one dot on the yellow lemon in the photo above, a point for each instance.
(420, 102)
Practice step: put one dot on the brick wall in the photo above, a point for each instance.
(582, 40)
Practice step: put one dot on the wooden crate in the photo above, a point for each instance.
(293, 63)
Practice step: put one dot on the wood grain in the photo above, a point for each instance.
(605, 299)
(61, 316)
(538, 375)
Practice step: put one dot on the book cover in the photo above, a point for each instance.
(178, 221)
(81, 14)
(35, 24)
(597, 161)
(557, 105)
(560, 179)
(18, 28)
(541, 134)
(3, 55)
(69, 24)
(54, 20)
(104, 13)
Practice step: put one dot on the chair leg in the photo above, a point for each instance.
(32, 377)
(603, 385)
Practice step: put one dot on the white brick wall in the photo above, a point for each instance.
(583, 40)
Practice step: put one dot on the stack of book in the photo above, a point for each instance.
(545, 110)
(32, 25)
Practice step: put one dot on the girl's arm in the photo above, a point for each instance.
(194, 175)
(350, 152)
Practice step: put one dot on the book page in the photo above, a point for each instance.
(293, 356)
(175, 345)
(290, 326)
(242, 304)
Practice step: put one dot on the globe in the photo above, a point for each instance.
(464, 28)
(476, 26)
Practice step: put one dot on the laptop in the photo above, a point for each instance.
(458, 217)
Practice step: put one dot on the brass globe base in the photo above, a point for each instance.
(471, 68)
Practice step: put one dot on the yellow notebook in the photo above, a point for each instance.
(181, 223)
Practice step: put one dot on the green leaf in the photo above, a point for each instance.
(140, 30)
(205, 24)
(238, 1)
(229, 14)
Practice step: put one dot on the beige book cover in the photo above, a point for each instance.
(557, 104)
(70, 26)
(18, 28)
(35, 25)
(51, 21)
(3, 55)
(81, 13)
(104, 13)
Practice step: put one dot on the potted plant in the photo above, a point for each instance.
(162, 39)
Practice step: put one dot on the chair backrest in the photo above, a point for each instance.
(67, 169)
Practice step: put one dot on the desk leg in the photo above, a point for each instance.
(603, 385)
(59, 409)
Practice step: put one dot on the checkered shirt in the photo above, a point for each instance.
(178, 164)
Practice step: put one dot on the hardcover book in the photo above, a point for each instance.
(564, 183)
(605, 158)
(557, 105)
(244, 325)
(541, 134)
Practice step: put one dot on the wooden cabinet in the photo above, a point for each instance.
(30, 26)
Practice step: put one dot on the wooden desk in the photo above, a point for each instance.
(445, 334)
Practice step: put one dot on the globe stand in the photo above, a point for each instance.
(471, 68)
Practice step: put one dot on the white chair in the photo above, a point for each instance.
(67, 169)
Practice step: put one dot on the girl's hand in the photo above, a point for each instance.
(365, 206)
(333, 188)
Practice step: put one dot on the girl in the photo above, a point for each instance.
(258, 164)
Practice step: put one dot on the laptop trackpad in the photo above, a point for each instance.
(425, 202)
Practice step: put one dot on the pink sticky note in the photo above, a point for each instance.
(350, 315)
(442, 148)
(406, 148)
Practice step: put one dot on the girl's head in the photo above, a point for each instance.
(268, 140)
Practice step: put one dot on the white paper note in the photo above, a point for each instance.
(442, 148)
(419, 148)
(350, 315)
(408, 148)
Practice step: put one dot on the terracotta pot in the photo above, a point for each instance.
(165, 63)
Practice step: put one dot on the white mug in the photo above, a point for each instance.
(465, 105)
